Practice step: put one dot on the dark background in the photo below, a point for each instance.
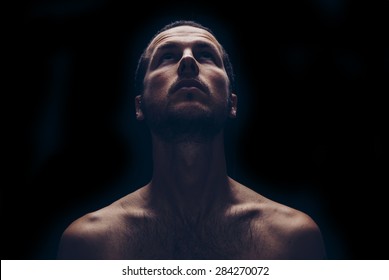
(311, 80)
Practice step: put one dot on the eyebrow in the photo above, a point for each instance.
(166, 46)
(172, 45)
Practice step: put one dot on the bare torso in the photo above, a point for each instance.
(252, 228)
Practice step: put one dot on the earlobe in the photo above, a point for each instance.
(138, 108)
(233, 105)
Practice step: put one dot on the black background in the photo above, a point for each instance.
(311, 81)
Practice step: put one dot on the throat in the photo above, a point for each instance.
(189, 178)
(189, 171)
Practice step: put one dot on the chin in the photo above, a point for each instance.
(190, 112)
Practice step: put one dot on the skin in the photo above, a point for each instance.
(191, 208)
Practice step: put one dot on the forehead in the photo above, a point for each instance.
(183, 34)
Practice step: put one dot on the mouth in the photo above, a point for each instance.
(189, 85)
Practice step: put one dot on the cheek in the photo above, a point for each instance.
(157, 84)
(219, 86)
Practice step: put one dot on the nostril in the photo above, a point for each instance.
(188, 65)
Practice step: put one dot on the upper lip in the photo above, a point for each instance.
(189, 83)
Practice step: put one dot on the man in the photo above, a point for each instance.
(191, 208)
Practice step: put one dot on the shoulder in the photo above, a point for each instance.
(294, 233)
(80, 238)
(288, 233)
(99, 234)
(301, 236)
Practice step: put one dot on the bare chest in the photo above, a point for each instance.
(171, 240)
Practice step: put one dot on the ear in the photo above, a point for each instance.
(233, 107)
(138, 108)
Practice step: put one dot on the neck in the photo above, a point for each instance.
(189, 178)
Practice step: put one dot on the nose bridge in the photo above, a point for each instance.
(187, 53)
(188, 64)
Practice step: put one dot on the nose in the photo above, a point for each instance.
(188, 66)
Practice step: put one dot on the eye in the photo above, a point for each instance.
(206, 55)
(167, 57)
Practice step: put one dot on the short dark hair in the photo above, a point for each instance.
(141, 69)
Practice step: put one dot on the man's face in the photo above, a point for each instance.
(186, 87)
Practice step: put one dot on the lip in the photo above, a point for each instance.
(189, 85)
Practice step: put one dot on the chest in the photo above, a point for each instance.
(207, 240)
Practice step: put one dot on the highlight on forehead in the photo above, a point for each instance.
(205, 38)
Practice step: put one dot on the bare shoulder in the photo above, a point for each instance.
(282, 231)
(298, 232)
(96, 235)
